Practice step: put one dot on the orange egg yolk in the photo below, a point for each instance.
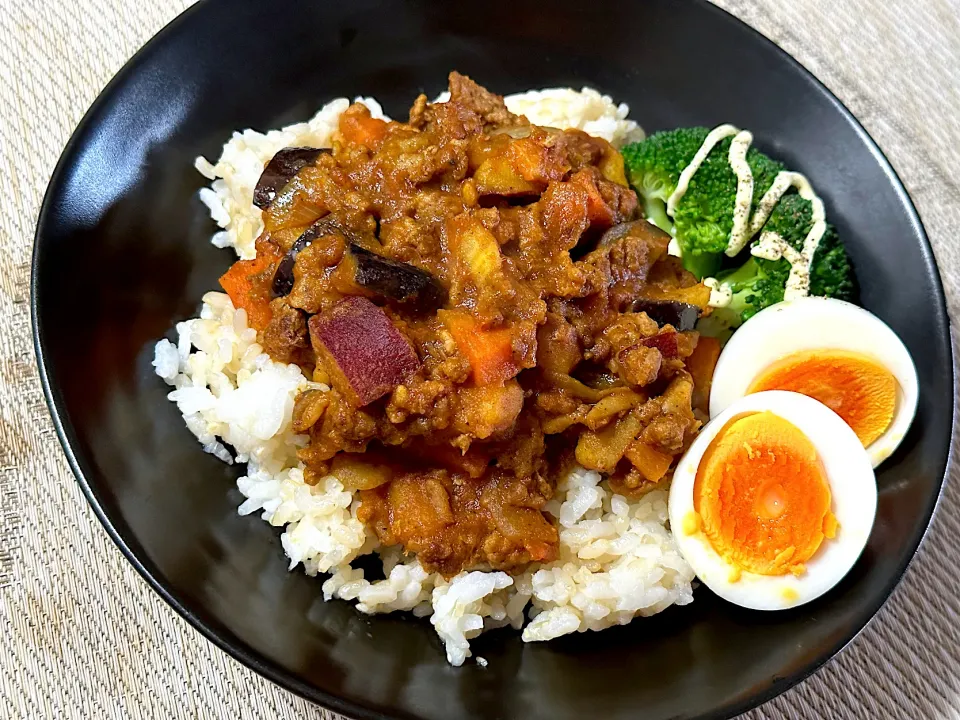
(855, 387)
(762, 495)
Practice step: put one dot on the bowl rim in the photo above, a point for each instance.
(239, 650)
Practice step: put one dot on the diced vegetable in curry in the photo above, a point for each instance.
(486, 304)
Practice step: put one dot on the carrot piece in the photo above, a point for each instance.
(247, 282)
(652, 464)
(357, 127)
(701, 365)
(490, 352)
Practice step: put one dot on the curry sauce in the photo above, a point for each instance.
(486, 305)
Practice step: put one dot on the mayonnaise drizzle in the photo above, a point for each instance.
(720, 293)
(715, 136)
(770, 246)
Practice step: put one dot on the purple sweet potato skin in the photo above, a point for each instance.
(366, 355)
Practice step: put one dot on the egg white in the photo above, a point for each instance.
(808, 324)
(853, 501)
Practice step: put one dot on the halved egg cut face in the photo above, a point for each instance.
(762, 495)
(829, 350)
(861, 391)
(774, 501)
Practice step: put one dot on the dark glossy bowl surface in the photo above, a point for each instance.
(123, 253)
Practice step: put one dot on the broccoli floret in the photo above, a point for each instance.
(759, 283)
(755, 285)
(831, 274)
(704, 216)
(654, 166)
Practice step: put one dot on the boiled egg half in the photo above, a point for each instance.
(774, 501)
(832, 351)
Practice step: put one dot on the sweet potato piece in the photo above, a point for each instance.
(652, 464)
(701, 364)
(538, 536)
(247, 282)
(366, 355)
(611, 166)
(665, 342)
(534, 161)
(490, 352)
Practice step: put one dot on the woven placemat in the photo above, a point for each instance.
(82, 636)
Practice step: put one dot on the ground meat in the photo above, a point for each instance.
(418, 112)
(638, 365)
(286, 337)
(580, 149)
(489, 106)
(621, 199)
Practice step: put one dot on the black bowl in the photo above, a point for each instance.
(123, 253)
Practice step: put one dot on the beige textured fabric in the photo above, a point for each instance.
(81, 636)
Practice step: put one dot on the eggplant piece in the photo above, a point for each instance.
(283, 279)
(611, 236)
(398, 281)
(683, 316)
(640, 228)
(365, 354)
(280, 170)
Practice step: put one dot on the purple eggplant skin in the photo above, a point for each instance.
(280, 170)
(283, 278)
(397, 281)
(641, 228)
(682, 316)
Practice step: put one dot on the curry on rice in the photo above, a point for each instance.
(487, 306)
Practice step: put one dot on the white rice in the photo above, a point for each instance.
(587, 110)
(617, 559)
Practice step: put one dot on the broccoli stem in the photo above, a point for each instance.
(656, 209)
(744, 277)
(741, 282)
(701, 264)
